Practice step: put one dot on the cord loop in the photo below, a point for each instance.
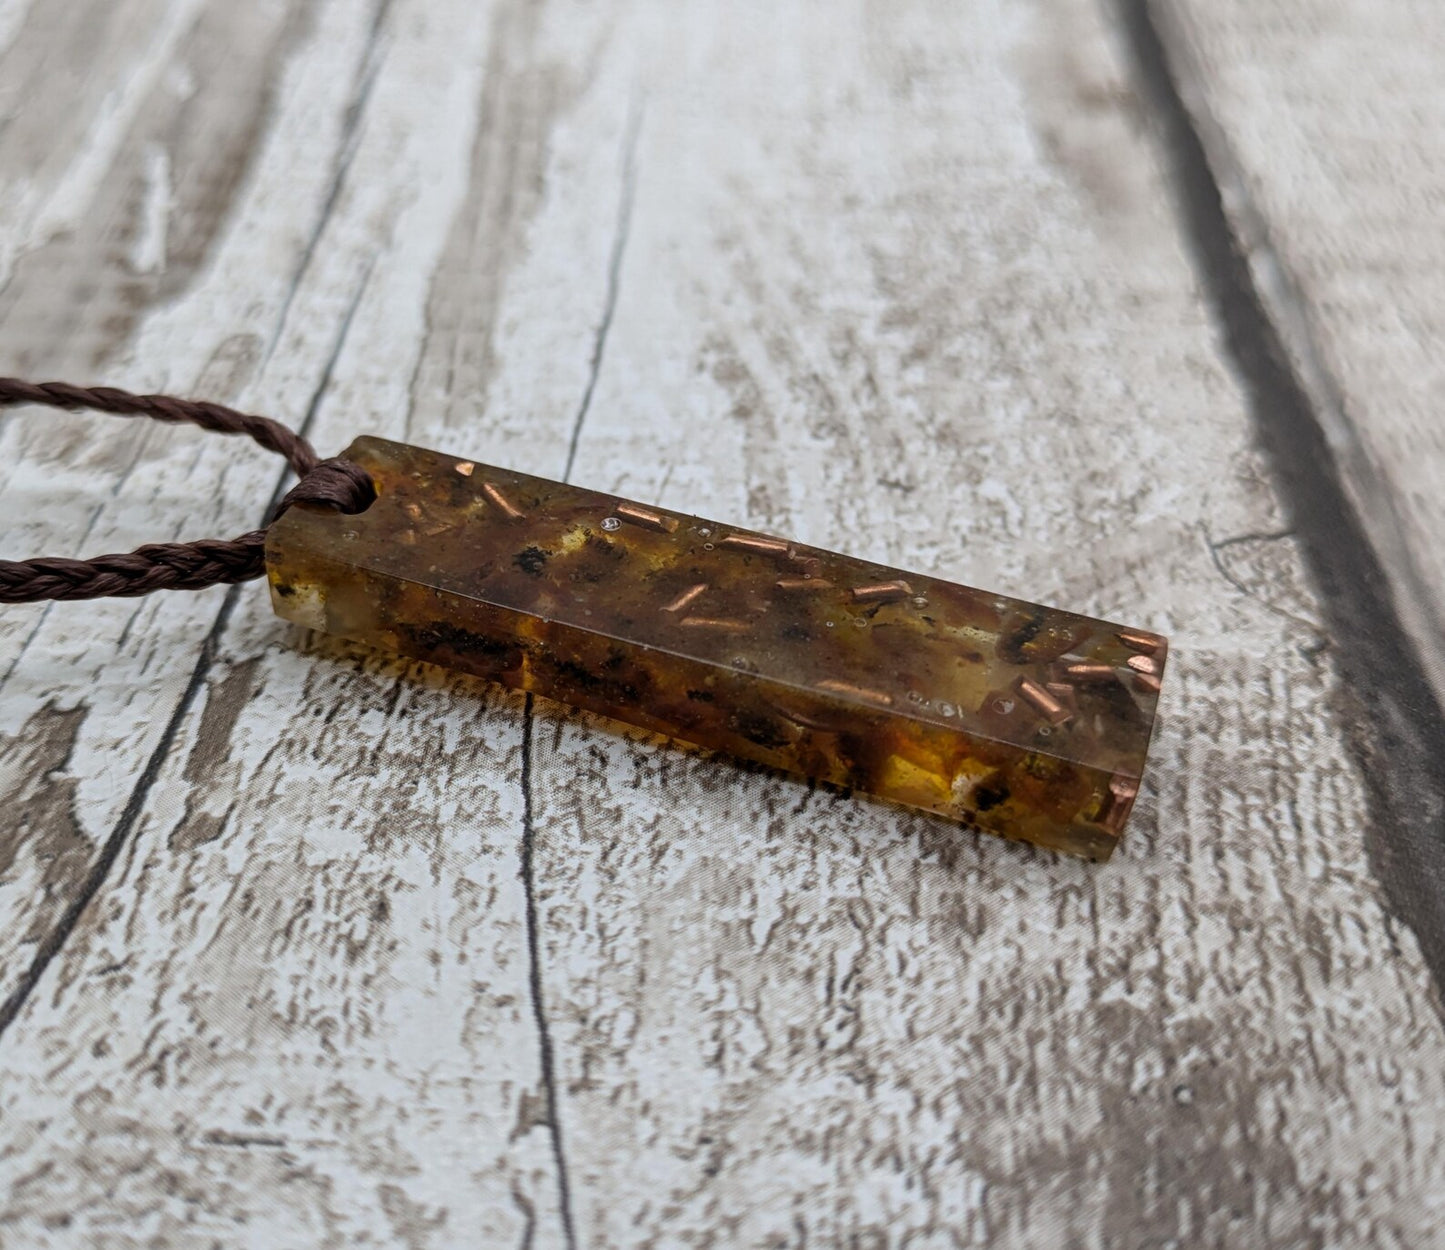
(333, 483)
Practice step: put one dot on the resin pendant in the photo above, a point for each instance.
(1015, 719)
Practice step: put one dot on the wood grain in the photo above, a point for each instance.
(386, 957)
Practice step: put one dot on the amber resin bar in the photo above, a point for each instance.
(1013, 718)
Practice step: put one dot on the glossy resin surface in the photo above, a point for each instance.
(1016, 719)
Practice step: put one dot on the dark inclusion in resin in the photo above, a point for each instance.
(1016, 719)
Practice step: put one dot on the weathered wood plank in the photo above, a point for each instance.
(1324, 118)
(1344, 505)
(126, 234)
(897, 279)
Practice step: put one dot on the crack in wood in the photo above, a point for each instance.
(528, 869)
(614, 276)
(534, 978)
(368, 66)
(1320, 639)
(1254, 536)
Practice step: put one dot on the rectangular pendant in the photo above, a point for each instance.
(1015, 719)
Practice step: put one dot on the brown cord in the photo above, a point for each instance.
(335, 483)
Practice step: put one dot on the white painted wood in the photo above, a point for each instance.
(1327, 120)
(897, 279)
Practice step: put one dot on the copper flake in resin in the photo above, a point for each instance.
(1016, 719)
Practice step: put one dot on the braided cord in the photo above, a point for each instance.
(335, 483)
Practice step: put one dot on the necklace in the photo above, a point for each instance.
(1012, 718)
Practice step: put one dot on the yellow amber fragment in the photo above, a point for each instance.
(1015, 719)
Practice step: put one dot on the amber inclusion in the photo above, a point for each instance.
(1016, 719)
